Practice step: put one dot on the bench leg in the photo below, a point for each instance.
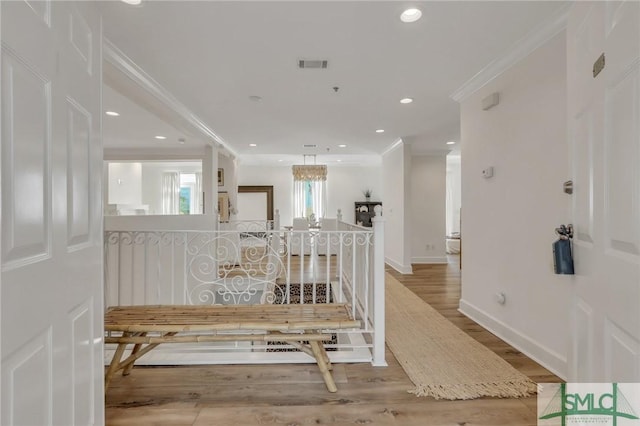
(115, 364)
(322, 364)
(131, 359)
(325, 356)
(127, 370)
(303, 348)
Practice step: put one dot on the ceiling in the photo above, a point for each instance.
(212, 56)
(137, 127)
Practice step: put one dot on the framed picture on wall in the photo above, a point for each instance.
(223, 206)
(220, 177)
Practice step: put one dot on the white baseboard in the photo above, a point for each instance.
(430, 259)
(549, 359)
(403, 269)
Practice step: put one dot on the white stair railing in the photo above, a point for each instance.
(249, 262)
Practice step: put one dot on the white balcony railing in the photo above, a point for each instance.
(253, 262)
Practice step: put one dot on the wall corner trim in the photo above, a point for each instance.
(391, 147)
(116, 57)
(535, 38)
(403, 269)
(544, 356)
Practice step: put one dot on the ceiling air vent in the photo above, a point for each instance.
(313, 63)
(310, 145)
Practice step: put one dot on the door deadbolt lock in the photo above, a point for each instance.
(567, 187)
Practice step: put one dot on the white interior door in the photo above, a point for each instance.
(51, 257)
(604, 114)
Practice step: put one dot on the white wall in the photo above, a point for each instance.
(427, 205)
(125, 183)
(230, 186)
(206, 155)
(344, 187)
(508, 221)
(192, 222)
(252, 206)
(227, 164)
(280, 178)
(396, 177)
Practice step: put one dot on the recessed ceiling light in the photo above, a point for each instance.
(160, 137)
(253, 144)
(339, 161)
(380, 131)
(132, 2)
(451, 143)
(181, 141)
(411, 15)
(255, 98)
(342, 145)
(112, 113)
(406, 100)
(280, 161)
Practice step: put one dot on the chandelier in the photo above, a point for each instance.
(313, 172)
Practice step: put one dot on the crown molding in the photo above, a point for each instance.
(151, 154)
(535, 38)
(116, 57)
(391, 147)
(431, 153)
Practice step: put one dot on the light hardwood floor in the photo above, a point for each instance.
(296, 395)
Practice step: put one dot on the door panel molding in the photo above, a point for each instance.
(583, 167)
(27, 214)
(81, 38)
(27, 376)
(82, 363)
(582, 361)
(79, 172)
(622, 165)
(42, 9)
(622, 353)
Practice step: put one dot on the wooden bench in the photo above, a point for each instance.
(146, 327)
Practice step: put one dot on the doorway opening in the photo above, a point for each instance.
(454, 204)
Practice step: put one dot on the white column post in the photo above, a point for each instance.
(275, 233)
(378, 290)
(210, 181)
(274, 251)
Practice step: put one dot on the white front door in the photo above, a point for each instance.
(51, 256)
(604, 124)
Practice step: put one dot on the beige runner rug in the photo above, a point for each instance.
(439, 358)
